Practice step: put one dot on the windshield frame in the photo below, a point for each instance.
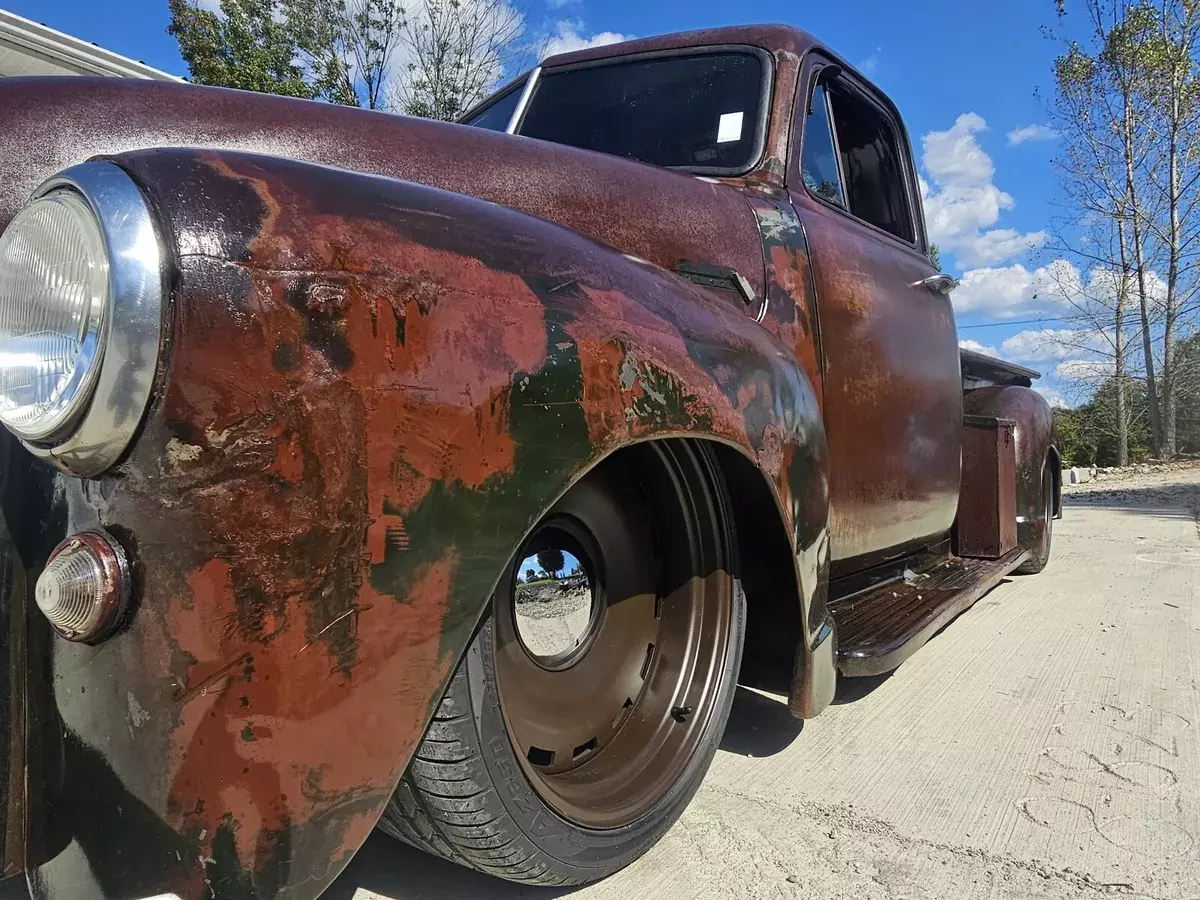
(761, 124)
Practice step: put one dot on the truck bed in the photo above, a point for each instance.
(980, 370)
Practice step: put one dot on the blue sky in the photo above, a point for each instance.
(963, 75)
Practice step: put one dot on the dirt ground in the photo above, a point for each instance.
(1044, 745)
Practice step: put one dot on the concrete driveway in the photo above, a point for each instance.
(1046, 744)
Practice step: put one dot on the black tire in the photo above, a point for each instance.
(466, 796)
(1040, 552)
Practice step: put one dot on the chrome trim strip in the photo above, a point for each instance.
(523, 103)
(134, 334)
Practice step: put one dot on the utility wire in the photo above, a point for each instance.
(1025, 322)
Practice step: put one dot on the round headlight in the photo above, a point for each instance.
(54, 299)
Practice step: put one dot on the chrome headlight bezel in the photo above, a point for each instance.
(108, 407)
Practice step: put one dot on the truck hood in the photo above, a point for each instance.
(48, 124)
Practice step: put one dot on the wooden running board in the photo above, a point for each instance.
(882, 627)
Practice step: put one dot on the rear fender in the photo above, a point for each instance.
(373, 391)
(1036, 446)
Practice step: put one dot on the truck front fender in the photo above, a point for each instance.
(370, 391)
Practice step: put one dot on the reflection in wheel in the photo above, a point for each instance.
(590, 704)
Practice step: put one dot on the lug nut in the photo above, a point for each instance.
(84, 588)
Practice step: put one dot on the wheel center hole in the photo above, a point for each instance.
(556, 600)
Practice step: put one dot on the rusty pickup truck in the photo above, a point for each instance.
(362, 471)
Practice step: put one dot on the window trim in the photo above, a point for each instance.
(853, 82)
(827, 102)
(766, 93)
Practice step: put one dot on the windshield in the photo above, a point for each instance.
(704, 112)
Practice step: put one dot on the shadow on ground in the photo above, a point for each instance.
(850, 690)
(759, 725)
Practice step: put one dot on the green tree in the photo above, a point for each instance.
(935, 255)
(551, 561)
(313, 49)
(1090, 434)
(1075, 439)
(530, 574)
(1187, 362)
(250, 45)
(435, 62)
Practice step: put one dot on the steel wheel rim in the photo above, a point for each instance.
(604, 739)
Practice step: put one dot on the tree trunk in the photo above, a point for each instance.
(1173, 201)
(1143, 301)
(1119, 351)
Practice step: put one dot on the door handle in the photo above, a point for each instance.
(941, 283)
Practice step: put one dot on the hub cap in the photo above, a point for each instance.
(611, 635)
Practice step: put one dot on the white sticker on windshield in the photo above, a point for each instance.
(730, 127)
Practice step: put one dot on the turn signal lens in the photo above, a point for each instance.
(84, 587)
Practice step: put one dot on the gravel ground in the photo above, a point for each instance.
(1044, 745)
(1165, 485)
(553, 615)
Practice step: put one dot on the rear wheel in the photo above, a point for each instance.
(589, 706)
(1039, 553)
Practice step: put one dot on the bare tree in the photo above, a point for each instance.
(1100, 117)
(1126, 103)
(354, 39)
(1167, 56)
(455, 51)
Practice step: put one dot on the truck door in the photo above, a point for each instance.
(892, 387)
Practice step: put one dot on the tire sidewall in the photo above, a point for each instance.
(592, 852)
(1040, 554)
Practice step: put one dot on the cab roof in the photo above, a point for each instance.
(775, 38)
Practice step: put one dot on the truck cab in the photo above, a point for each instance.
(821, 155)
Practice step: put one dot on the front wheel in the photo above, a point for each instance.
(591, 702)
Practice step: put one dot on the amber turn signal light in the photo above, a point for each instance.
(84, 588)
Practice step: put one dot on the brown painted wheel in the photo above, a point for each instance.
(590, 705)
(1039, 552)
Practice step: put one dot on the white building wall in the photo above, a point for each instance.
(27, 48)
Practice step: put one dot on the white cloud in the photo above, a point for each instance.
(567, 39)
(1092, 371)
(1053, 344)
(1053, 397)
(870, 65)
(1008, 290)
(998, 245)
(1031, 133)
(961, 202)
(210, 5)
(968, 344)
(954, 156)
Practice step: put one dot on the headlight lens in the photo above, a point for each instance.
(54, 292)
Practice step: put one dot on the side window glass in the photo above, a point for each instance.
(820, 161)
(496, 116)
(871, 163)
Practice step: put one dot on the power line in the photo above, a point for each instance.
(1025, 322)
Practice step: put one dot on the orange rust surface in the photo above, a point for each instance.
(374, 390)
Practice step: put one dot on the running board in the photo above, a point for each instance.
(882, 627)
